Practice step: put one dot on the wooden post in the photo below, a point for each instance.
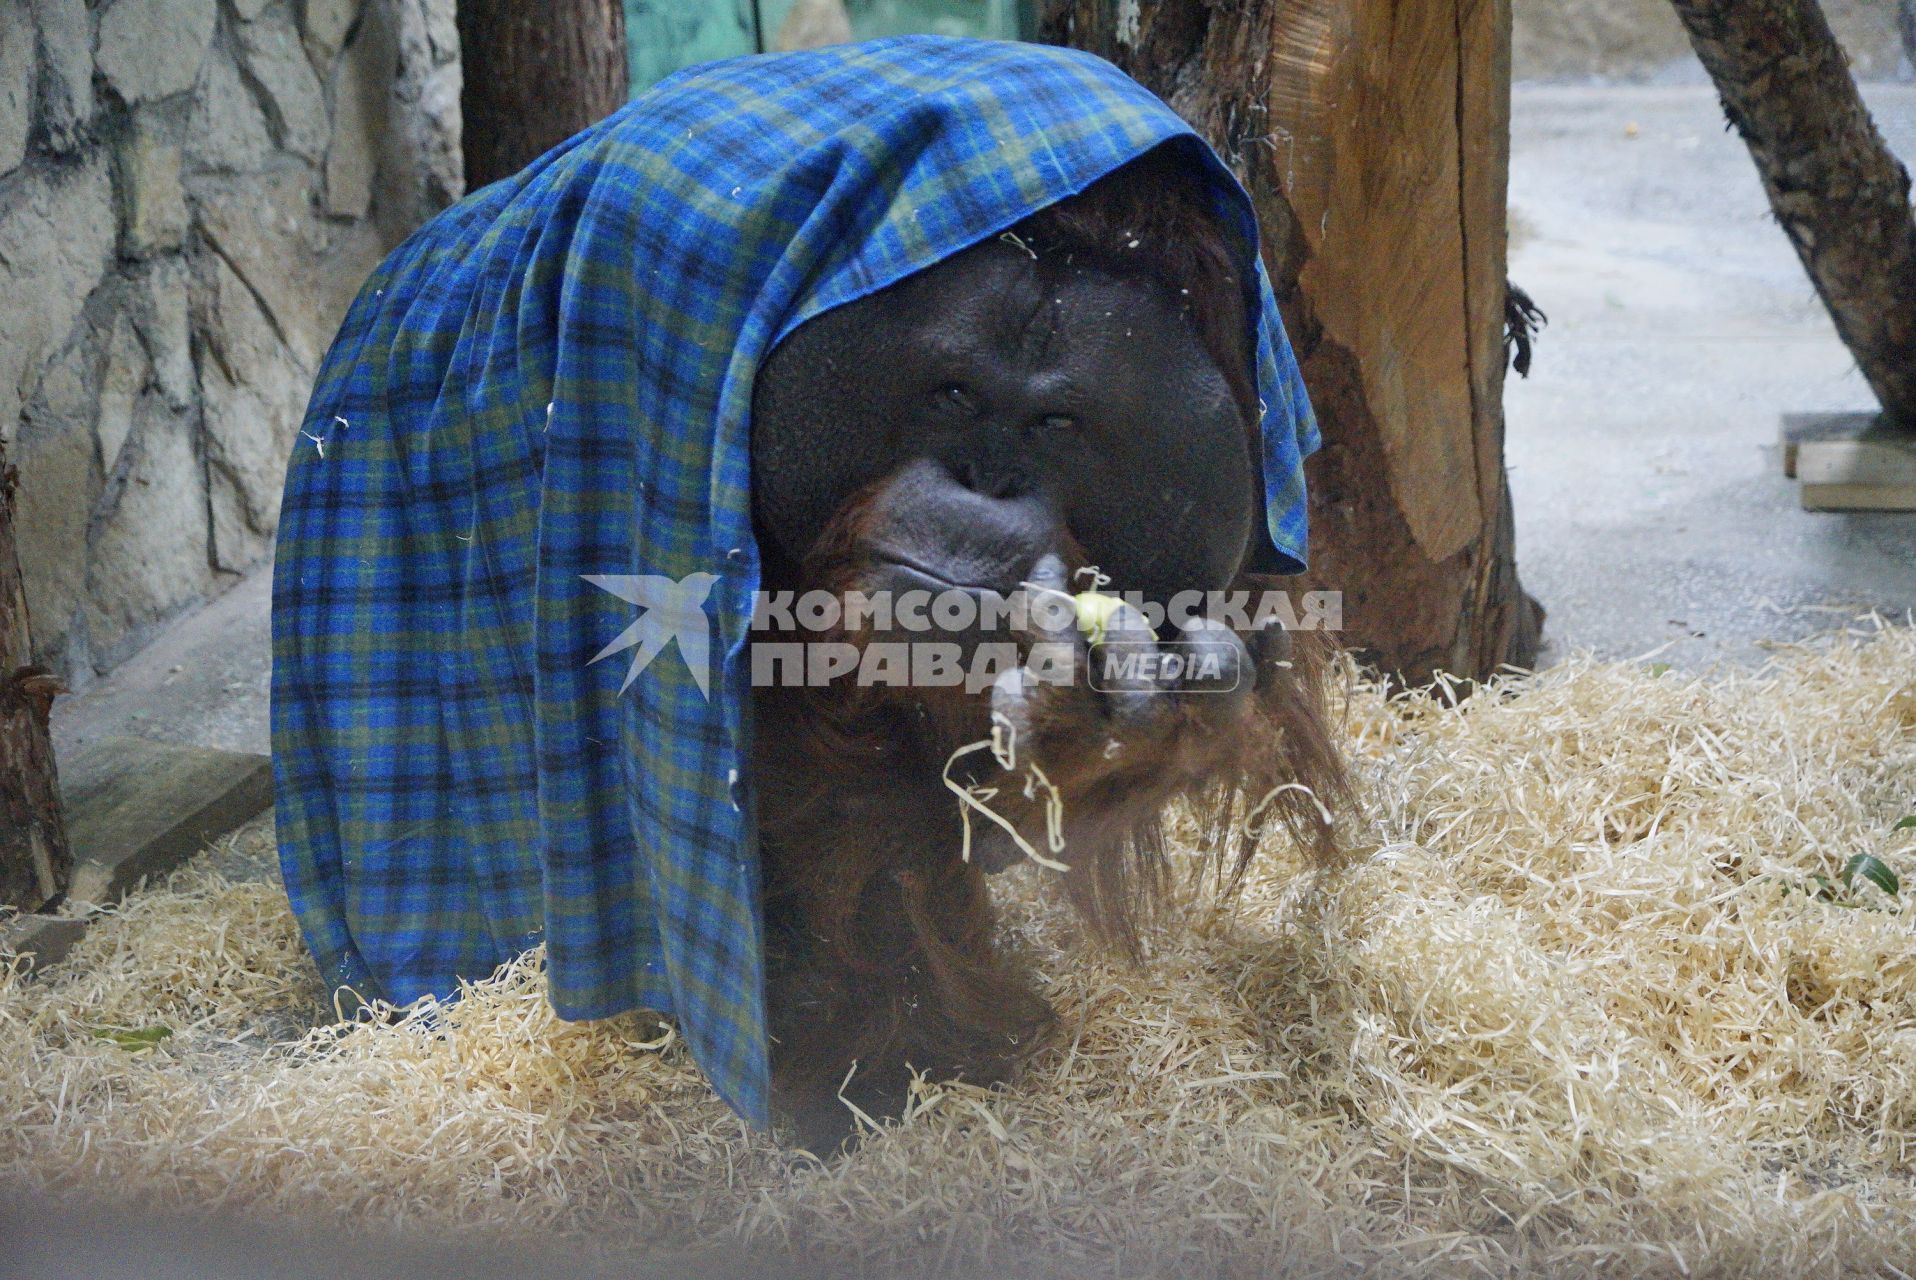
(1837, 192)
(35, 862)
(1374, 137)
(535, 74)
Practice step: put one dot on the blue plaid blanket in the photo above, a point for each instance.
(533, 425)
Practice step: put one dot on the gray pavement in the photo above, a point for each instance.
(202, 681)
(1652, 512)
(1651, 505)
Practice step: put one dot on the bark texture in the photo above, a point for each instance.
(1838, 193)
(534, 76)
(1374, 138)
(35, 863)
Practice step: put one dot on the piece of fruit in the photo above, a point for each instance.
(1095, 611)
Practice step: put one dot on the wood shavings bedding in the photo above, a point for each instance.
(1579, 1007)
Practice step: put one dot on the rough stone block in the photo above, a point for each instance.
(442, 29)
(163, 308)
(152, 397)
(421, 169)
(57, 238)
(152, 202)
(436, 132)
(325, 25)
(294, 102)
(66, 71)
(18, 65)
(149, 553)
(152, 49)
(59, 464)
(362, 97)
(255, 396)
(305, 270)
(228, 132)
(68, 388)
(124, 378)
(414, 33)
(59, 483)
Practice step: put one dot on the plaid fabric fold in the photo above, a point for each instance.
(531, 431)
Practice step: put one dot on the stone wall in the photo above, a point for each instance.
(1642, 39)
(190, 193)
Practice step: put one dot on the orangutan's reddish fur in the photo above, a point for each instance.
(880, 941)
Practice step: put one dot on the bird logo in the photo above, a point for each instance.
(674, 610)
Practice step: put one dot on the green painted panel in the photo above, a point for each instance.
(665, 35)
(661, 36)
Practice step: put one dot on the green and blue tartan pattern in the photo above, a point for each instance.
(553, 379)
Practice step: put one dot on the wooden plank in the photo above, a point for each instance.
(134, 809)
(1808, 428)
(138, 808)
(1850, 461)
(1872, 462)
(42, 940)
(1859, 497)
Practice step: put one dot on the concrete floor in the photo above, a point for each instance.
(203, 681)
(1651, 505)
(1652, 511)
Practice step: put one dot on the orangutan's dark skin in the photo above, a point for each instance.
(1077, 393)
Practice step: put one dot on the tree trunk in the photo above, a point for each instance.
(35, 863)
(1374, 137)
(1907, 15)
(1839, 194)
(534, 76)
